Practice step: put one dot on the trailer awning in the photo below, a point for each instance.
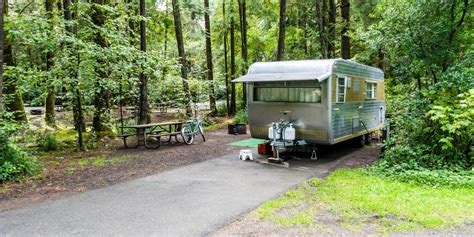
(282, 77)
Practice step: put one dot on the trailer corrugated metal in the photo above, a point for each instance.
(329, 100)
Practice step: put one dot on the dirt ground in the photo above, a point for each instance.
(66, 172)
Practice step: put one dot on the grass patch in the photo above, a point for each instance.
(213, 127)
(98, 161)
(359, 199)
(295, 207)
(355, 194)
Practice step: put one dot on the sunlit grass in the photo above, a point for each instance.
(359, 198)
(98, 161)
(398, 206)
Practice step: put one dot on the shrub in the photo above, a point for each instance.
(206, 122)
(49, 142)
(221, 109)
(14, 162)
(432, 140)
(241, 117)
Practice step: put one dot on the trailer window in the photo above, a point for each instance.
(371, 90)
(298, 92)
(341, 90)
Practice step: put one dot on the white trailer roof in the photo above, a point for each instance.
(305, 70)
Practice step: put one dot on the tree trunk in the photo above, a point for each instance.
(13, 101)
(131, 24)
(332, 30)
(226, 68)
(381, 60)
(101, 97)
(165, 45)
(324, 10)
(182, 56)
(79, 122)
(281, 31)
(51, 96)
(345, 40)
(143, 110)
(59, 6)
(233, 108)
(321, 22)
(2, 41)
(243, 35)
(210, 76)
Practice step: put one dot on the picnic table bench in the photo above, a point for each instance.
(152, 130)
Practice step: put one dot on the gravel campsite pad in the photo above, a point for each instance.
(79, 172)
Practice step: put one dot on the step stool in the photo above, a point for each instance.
(246, 155)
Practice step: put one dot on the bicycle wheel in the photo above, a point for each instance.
(187, 134)
(202, 133)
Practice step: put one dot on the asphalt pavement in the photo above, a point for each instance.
(193, 200)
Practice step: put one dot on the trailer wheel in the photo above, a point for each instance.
(368, 138)
(359, 141)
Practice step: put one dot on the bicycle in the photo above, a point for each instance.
(191, 129)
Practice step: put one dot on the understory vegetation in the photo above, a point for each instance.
(14, 163)
(430, 91)
(97, 65)
(365, 202)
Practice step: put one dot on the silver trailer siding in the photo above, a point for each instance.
(324, 121)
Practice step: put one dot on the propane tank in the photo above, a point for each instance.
(290, 133)
(273, 130)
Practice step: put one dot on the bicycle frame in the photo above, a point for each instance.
(194, 124)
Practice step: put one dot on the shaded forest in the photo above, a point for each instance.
(92, 57)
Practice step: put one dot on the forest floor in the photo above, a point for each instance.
(72, 171)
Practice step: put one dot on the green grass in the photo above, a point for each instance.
(360, 198)
(98, 161)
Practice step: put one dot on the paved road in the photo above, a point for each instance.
(194, 200)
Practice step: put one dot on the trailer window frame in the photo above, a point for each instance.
(340, 84)
(373, 90)
(303, 86)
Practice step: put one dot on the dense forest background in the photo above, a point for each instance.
(93, 56)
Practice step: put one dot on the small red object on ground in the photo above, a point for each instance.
(264, 148)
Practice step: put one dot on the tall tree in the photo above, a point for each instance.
(345, 40)
(233, 108)
(13, 101)
(321, 24)
(101, 95)
(243, 36)
(143, 109)
(226, 69)
(1, 56)
(165, 44)
(332, 30)
(210, 76)
(51, 96)
(78, 115)
(281, 31)
(182, 56)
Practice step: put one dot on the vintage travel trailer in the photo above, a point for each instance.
(328, 101)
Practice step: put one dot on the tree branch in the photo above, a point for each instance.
(25, 7)
(463, 16)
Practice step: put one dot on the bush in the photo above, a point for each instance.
(49, 142)
(432, 138)
(206, 122)
(221, 110)
(241, 117)
(14, 163)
